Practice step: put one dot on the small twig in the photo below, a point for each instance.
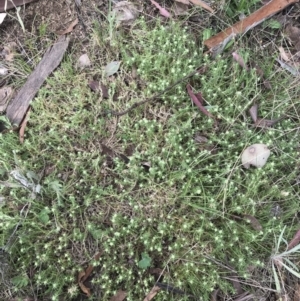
(137, 104)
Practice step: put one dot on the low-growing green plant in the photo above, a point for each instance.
(179, 205)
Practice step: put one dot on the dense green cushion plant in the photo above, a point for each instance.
(177, 205)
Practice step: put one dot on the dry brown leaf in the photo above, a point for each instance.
(119, 296)
(283, 54)
(161, 9)
(68, 29)
(293, 33)
(98, 86)
(183, 1)
(126, 12)
(90, 268)
(85, 289)
(203, 5)
(253, 112)
(80, 276)
(295, 241)
(23, 126)
(198, 101)
(253, 221)
(83, 275)
(152, 293)
(265, 123)
(180, 9)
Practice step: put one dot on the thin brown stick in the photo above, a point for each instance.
(249, 22)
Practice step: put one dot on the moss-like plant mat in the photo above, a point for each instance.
(183, 207)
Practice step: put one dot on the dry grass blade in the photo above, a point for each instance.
(152, 293)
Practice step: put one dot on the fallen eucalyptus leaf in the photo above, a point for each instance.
(253, 112)
(112, 67)
(255, 155)
(162, 10)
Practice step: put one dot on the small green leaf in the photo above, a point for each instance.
(274, 24)
(112, 68)
(20, 281)
(207, 33)
(97, 233)
(145, 262)
(43, 216)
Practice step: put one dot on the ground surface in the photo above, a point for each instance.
(111, 206)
